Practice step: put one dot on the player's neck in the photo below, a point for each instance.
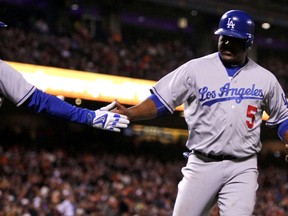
(233, 64)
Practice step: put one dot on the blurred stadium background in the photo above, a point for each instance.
(50, 167)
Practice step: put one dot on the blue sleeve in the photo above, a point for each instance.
(161, 109)
(282, 128)
(42, 102)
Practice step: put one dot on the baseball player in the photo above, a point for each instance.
(224, 96)
(14, 87)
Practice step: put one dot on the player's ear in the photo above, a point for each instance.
(248, 44)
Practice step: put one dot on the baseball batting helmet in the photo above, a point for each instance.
(237, 23)
(2, 25)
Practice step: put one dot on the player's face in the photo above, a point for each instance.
(233, 50)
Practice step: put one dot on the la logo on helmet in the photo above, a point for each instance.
(230, 23)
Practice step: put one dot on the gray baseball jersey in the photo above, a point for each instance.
(223, 115)
(13, 86)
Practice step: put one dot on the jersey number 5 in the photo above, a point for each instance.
(251, 110)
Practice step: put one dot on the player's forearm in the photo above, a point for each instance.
(286, 157)
(143, 111)
(285, 137)
(283, 134)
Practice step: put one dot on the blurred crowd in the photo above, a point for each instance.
(56, 183)
(42, 179)
(143, 58)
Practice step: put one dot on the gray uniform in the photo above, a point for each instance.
(224, 117)
(13, 86)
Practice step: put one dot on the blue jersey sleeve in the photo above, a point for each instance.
(282, 128)
(161, 109)
(42, 102)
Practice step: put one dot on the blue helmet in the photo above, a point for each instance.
(237, 23)
(2, 25)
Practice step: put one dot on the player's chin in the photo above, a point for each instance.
(227, 57)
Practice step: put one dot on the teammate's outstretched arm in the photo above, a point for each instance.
(102, 118)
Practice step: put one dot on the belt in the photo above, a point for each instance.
(215, 157)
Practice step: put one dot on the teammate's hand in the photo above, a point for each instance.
(107, 120)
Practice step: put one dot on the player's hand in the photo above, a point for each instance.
(107, 120)
(120, 109)
(286, 157)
